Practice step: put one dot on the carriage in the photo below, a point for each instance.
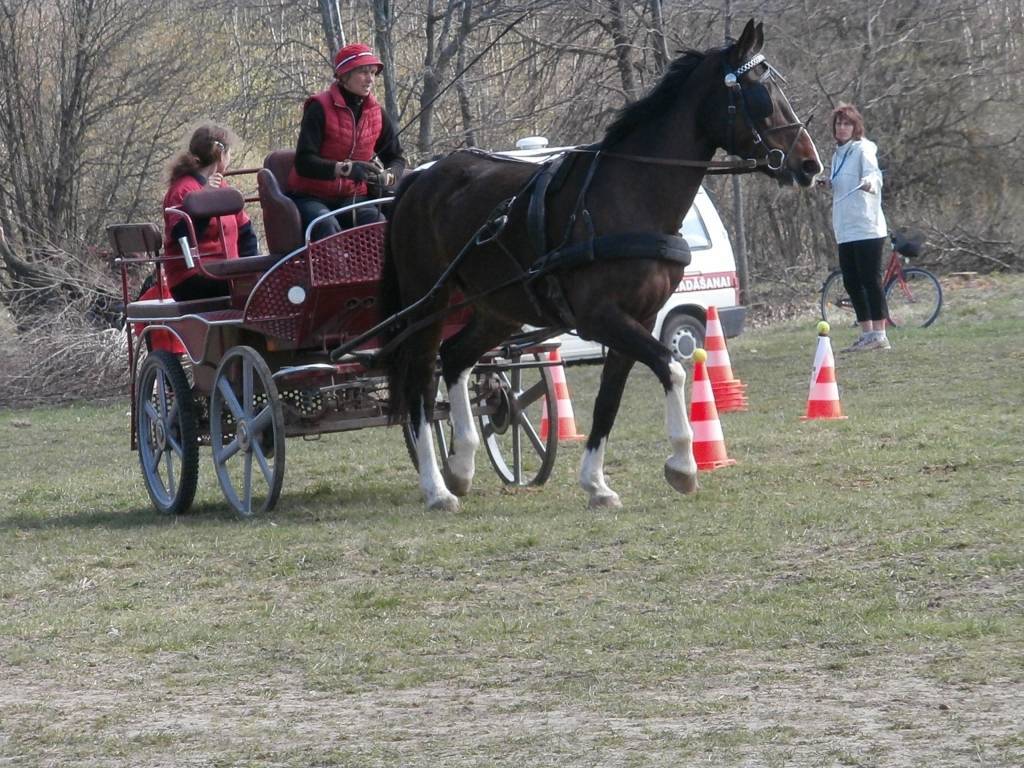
(588, 241)
(291, 353)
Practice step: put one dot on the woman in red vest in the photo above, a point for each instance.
(343, 130)
(199, 167)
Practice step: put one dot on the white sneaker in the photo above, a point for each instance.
(878, 343)
(857, 346)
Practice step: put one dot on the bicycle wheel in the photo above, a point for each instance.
(915, 299)
(836, 307)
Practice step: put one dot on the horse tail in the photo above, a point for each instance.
(395, 361)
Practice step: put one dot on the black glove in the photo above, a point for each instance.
(357, 170)
(380, 181)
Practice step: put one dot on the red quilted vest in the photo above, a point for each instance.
(343, 139)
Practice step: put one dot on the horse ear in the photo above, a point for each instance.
(746, 46)
(759, 43)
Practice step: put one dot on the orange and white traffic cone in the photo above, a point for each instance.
(566, 419)
(823, 398)
(730, 392)
(708, 441)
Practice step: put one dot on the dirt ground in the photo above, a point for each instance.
(806, 710)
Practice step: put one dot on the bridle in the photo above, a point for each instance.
(755, 103)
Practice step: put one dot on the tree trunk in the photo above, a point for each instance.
(623, 49)
(661, 57)
(383, 24)
(330, 19)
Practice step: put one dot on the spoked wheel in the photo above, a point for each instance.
(914, 301)
(513, 402)
(166, 428)
(836, 307)
(247, 432)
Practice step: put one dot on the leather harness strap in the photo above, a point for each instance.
(622, 246)
(549, 264)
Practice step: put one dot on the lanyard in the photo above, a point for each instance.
(846, 155)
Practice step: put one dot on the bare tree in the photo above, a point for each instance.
(617, 28)
(330, 18)
(383, 26)
(72, 136)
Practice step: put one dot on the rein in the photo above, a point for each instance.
(714, 167)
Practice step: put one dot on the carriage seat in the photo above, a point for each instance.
(225, 201)
(281, 221)
(167, 309)
(226, 269)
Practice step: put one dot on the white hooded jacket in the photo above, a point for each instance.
(857, 215)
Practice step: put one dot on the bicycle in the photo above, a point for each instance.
(913, 294)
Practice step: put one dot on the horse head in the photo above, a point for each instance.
(748, 114)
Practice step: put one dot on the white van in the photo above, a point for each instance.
(710, 280)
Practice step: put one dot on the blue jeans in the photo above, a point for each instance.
(311, 207)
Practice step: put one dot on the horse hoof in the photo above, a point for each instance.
(605, 501)
(681, 481)
(446, 503)
(458, 485)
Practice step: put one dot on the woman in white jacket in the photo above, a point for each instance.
(859, 224)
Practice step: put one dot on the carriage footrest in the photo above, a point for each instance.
(164, 309)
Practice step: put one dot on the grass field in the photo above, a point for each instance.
(849, 594)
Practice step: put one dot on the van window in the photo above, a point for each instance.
(694, 231)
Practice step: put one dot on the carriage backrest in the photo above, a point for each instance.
(281, 221)
(135, 239)
(280, 163)
(208, 203)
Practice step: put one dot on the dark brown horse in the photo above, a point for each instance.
(611, 213)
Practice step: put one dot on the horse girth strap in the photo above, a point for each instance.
(623, 246)
(545, 272)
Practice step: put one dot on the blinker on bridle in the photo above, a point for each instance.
(756, 103)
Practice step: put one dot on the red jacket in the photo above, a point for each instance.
(343, 139)
(209, 239)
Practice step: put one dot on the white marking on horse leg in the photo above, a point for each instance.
(465, 440)
(592, 478)
(680, 467)
(432, 484)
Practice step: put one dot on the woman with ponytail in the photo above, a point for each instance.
(199, 167)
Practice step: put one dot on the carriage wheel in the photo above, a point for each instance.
(247, 432)
(513, 403)
(166, 428)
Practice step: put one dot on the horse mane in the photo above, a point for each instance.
(662, 97)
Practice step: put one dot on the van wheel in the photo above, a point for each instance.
(682, 334)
